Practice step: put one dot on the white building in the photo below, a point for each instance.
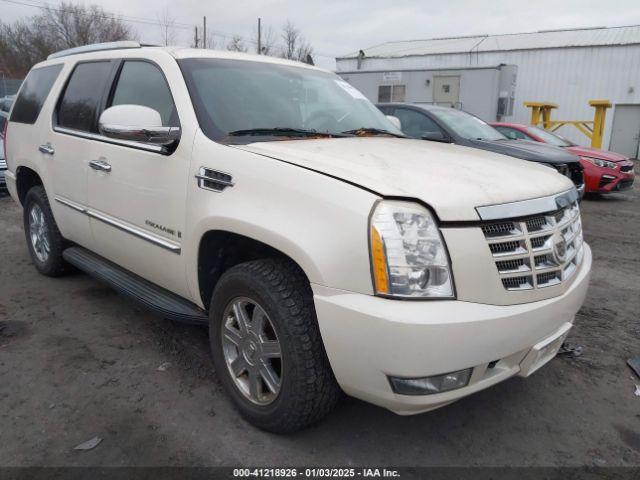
(488, 74)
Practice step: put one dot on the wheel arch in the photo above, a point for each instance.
(26, 178)
(219, 250)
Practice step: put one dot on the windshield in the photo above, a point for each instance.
(255, 101)
(548, 137)
(466, 125)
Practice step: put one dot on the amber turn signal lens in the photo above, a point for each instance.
(379, 262)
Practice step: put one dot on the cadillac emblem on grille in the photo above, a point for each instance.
(537, 251)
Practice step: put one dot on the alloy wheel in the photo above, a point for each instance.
(39, 233)
(252, 351)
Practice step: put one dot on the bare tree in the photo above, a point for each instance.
(294, 45)
(211, 41)
(236, 44)
(269, 41)
(68, 25)
(167, 25)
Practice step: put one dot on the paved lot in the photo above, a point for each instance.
(78, 361)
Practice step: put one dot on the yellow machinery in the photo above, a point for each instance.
(594, 129)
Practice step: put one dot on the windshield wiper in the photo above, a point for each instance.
(282, 131)
(372, 131)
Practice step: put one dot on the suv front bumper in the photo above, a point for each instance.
(369, 338)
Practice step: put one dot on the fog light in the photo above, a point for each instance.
(429, 385)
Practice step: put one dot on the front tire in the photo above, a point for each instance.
(44, 240)
(267, 348)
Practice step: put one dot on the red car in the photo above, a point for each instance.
(604, 172)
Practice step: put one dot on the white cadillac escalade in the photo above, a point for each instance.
(272, 202)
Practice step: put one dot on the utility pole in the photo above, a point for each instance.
(259, 37)
(204, 32)
(196, 37)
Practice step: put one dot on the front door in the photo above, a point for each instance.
(446, 90)
(625, 132)
(137, 192)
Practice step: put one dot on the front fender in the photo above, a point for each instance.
(318, 221)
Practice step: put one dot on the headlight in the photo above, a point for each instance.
(600, 163)
(408, 256)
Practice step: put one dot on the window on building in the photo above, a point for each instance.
(142, 83)
(33, 94)
(391, 93)
(81, 98)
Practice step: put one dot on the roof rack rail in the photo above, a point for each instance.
(96, 47)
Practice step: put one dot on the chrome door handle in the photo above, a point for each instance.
(47, 149)
(100, 165)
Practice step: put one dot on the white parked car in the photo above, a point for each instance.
(272, 202)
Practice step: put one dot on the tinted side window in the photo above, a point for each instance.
(142, 83)
(415, 124)
(512, 133)
(81, 98)
(33, 93)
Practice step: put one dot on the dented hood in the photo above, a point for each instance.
(453, 180)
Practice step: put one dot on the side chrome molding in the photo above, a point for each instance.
(101, 138)
(125, 227)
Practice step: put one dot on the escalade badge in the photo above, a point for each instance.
(559, 247)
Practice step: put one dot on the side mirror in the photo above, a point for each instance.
(435, 137)
(136, 123)
(395, 120)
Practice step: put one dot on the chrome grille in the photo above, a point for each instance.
(3, 164)
(538, 251)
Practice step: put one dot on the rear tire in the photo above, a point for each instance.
(44, 240)
(300, 388)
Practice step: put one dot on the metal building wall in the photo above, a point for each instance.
(478, 87)
(569, 77)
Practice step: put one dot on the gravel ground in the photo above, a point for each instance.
(79, 361)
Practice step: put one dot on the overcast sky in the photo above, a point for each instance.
(335, 28)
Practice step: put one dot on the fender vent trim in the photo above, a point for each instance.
(214, 180)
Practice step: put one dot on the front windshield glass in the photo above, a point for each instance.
(466, 125)
(239, 96)
(548, 137)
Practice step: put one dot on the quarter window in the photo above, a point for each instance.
(80, 102)
(142, 83)
(391, 93)
(33, 94)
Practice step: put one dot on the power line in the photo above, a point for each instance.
(141, 20)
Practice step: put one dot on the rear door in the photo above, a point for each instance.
(138, 204)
